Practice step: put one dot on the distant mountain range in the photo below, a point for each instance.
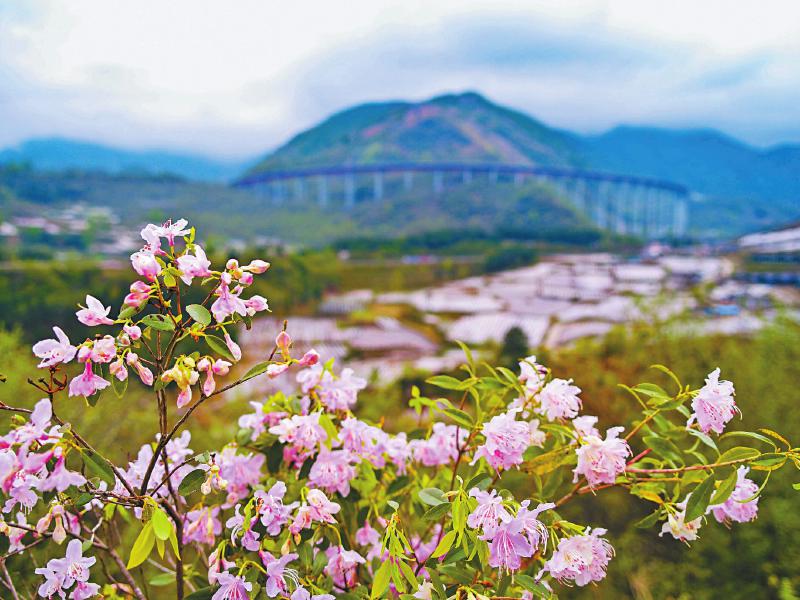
(59, 154)
(741, 188)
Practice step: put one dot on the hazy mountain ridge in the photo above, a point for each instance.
(59, 154)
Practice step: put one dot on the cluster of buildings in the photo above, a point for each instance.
(556, 302)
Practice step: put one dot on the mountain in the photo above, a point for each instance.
(740, 187)
(452, 128)
(57, 154)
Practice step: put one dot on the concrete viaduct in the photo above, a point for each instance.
(642, 206)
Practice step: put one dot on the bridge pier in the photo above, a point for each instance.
(466, 176)
(377, 185)
(438, 182)
(492, 176)
(349, 190)
(299, 191)
(519, 179)
(322, 191)
(408, 180)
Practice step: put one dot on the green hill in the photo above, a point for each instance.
(454, 128)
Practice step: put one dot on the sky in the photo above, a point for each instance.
(236, 78)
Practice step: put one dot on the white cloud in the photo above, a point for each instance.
(239, 77)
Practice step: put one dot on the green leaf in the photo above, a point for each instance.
(432, 496)
(663, 447)
(159, 322)
(706, 439)
(437, 512)
(769, 462)
(480, 481)
(796, 486)
(698, 501)
(738, 453)
(749, 434)
(459, 416)
(119, 387)
(202, 594)
(200, 314)
(652, 390)
(98, 466)
(530, 584)
(142, 546)
(218, 346)
(162, 526)
(449, 383)
(725, 489)
(381, 580)
(444, 544)
(162, 579)
(192, 482)
(408, 574)
(647, 521)
(257, 370)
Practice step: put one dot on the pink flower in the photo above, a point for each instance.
(60, 478)
(600, 461)
(54, 351)
(241, 471)
(532, 374)
(533, 528)
(168, 230)
(84, 590)
(342, 566)
(274, 514)
(256, 304)
(145, 374)
(140, 292)
(134, 331)
(509, 545)
(332, 472)
(363, 440)
(87, 383)
(309, 359)
(104, 350)
(677, 526)
(713, 405)
(399, 452)
(202, 525)
(64, 572)
(63, 521)
(94, 313)
(559, 400)
(227, 303)
(585, 426)
(441, 447)
(233, 347)
(506, 440)
(232, 587)
(145, 264)
(277, 369)
(489, 512)
(276, 572)
(734, 509)
(302, 432)
(257, 266)
(581, 558)
(316, 509)
(194, 266)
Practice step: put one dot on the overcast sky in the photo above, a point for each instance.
(237, 77)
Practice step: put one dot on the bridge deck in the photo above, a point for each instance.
(498, 168)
